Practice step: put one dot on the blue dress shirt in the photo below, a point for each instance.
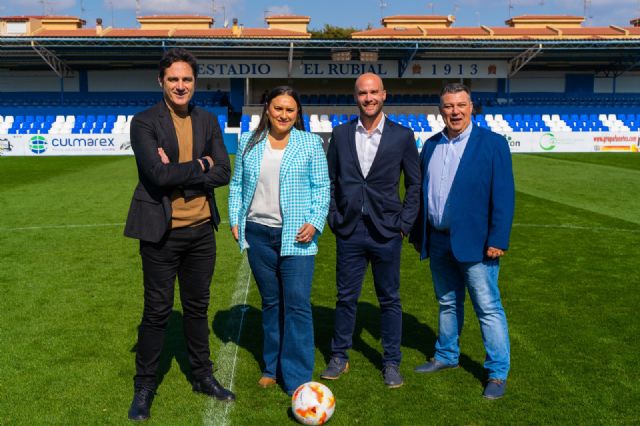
(441, 172)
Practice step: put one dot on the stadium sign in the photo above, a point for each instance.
(350, 69)
(118, 144)
(69, 144)
(457, 69)
(572, 141)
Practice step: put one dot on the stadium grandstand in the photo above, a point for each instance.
(547, 82)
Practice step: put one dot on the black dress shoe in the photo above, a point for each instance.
(141, 405)
(210, 386)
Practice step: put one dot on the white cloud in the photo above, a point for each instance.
(166, 7)
(228, 9)
(599, 13)
(224, 9)
(279, 10)
(36, 7)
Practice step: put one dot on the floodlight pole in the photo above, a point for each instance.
(290, 60)
(405, 62)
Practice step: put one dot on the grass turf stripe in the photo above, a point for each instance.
(522, 225)
(217, 413)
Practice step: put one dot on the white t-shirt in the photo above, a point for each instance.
(265, 206)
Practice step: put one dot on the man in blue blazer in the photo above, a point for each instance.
(465, 219)
(366, 158)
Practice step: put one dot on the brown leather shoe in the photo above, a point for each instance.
(266, 382)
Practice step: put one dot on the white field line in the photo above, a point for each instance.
(217, 413)
(575, 227)
(70, 226)
(43, 227)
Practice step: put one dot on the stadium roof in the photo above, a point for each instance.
(557, 41)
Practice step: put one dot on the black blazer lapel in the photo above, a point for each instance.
(171, 147)
(387, 135)
(351, 134)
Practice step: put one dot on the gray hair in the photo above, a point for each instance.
(455, 88)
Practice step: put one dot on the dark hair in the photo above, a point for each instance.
(177, 54)
(454, 88)
(263, 127)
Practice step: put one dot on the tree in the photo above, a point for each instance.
(332, 32)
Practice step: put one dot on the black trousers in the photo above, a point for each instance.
(189, 254)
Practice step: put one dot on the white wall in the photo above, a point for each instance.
(602, 85)
(484, 85)
(141, 81)
(35, 81)
(538, 82)
(626, 83)
(123, 81)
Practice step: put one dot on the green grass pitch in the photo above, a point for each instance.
(71, 300)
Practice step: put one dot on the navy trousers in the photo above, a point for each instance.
(354, 253)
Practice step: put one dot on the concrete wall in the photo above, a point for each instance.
(35, 81)
(548, 82)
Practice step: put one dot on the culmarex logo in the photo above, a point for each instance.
(547, 142)
(38, 144)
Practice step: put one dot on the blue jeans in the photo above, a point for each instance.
(450, 278)
(284, 283)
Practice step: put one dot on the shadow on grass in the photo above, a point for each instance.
(416, 335)
(174, 347)
(226, 326)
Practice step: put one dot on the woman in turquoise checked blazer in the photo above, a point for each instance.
(278, 203)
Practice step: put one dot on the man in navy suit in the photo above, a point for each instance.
(366, 158)
(464, 224)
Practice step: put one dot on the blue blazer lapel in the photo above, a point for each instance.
(466, 162)
(429, 148)
(252, 164)
(290, 153)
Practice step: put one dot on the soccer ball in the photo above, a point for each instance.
(313, 403)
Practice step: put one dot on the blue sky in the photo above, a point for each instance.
(356, 13)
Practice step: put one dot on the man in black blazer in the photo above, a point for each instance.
(181, 158)
(366, 158)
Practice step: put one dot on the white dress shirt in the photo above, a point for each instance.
(367, 144)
